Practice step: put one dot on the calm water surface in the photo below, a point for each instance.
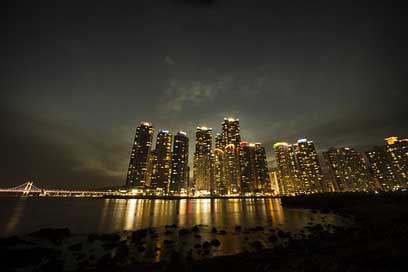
(81, 216)
(24, 215)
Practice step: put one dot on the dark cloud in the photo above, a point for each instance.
(55, 154)
(77, 77)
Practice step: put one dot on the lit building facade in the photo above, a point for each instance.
(137, 170)
(299, 168)
(203, 162)
(248, 168)
(262, 182)
(275, 186)
(389, 164)
(309, 169)
(289, 183)
(162, 162)
(220, 185)
(397, 153)
(254, 169)
(179, 169)
(381, 169)
(230, 144)
(348, 171)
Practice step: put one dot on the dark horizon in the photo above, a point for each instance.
(77, 80)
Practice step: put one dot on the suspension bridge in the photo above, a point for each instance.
(29, 189)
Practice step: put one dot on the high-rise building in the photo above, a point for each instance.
(389, 164)
(310, 172)
(220, 185)
(381, 169)
(299, 168)
(203, 161)
(137, 170)
(248, 168)
(287, 169)
(262, 181)
(275, 186)
(348, 171)
(179, 170)
(162, 165)
(230, 143)
(397, 153)
(254, 168)
(219, 141)
(151, 168)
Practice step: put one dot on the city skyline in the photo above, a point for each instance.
(227, 165)
(76, 80)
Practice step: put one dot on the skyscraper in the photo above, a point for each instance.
(162, 165)
(136, 175)
(248, 167)
(389, 164)
(397, 153)
(262, 181)
(287, 168)
(348, 171)
(299, 167)
(310, 172)
(220, 185)
(219, 141)
(254, 168)
(381, 169)
(203, 164)
(179, 169)
(230, 144)
(275, 186)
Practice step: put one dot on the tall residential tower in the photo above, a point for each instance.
(179, 169)
(162, 162)
(137, 170)
(203, 161)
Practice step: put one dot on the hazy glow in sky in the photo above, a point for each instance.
(77, 80)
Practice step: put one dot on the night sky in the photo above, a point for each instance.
(76, 80)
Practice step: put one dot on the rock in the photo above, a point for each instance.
(92, 237)
(259, 228)
(272, 238)
(215, 242)
(206, 245)
(195, 229)
(54, 235)
(183, 232)
(257, 245)
(168, 242)
(138, 236)
(12, 241)
(109, 238)
(75, 247)
(141, 248)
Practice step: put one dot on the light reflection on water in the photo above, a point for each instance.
(109, 215)
(81, 216)
(119, 214)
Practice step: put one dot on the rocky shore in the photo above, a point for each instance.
(375, 241)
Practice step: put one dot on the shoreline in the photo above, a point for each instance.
(144, 197)
(375, 241)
